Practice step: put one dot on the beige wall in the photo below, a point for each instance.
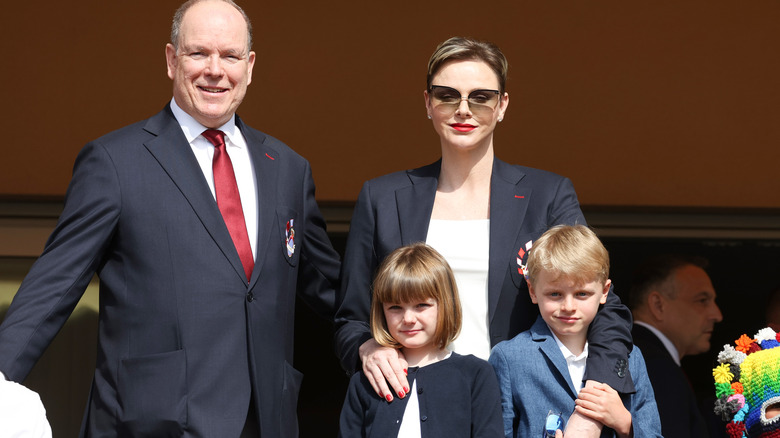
(664, 103)
(12, 272)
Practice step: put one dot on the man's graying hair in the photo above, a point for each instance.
(656, 273)
(179, 16)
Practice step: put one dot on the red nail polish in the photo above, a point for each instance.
(400, 394)
(405, 373)
(389, 397)
(406, 390)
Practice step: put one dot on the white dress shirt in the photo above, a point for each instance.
(576, 364)
(236, 147)
(664, 340)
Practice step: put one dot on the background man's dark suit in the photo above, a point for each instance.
(677, 406)
(395, 209)
(183, 338)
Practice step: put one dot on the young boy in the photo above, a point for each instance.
(540, 370)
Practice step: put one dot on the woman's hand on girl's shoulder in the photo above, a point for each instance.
(383, 365)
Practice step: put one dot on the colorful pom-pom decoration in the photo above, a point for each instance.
(747, 380)
(743, 343)
(765, 334)
(739, 399)
(723, 389)
(736, 430)
(722, 374)
(731, 355)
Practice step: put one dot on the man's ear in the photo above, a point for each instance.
(170, 60)
(250, 64)
(656, 305)
(531, 292)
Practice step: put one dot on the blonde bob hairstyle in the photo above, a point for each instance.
(572, 252)
(410, 274)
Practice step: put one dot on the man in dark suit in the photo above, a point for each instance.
(199, 267)
(673, 303)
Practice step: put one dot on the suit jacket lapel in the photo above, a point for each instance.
(508, 205)
(550, 350)
(171, 150)
(415, 203)
(267, 177)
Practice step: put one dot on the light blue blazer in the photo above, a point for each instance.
(534, 379)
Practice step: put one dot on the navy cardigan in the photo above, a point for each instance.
(458, 397)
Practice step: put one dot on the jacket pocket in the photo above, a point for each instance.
(290, 390)
(152, 395)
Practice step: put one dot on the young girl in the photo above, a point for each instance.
(416, 309)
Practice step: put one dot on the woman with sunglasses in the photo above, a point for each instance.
(481, 213)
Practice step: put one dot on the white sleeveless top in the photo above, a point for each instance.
(466, 246)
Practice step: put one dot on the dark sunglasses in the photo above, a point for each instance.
(480, 101)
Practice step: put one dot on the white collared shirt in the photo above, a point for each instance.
(576, 364)
(238, 151)
(664, 340)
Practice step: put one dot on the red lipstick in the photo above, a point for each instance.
(463, 127)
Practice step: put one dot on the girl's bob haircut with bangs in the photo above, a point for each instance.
(415, 273)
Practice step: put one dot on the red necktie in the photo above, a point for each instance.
(229, 200)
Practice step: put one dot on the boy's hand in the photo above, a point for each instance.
(603, 404)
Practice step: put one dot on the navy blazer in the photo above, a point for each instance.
(395, 210)
(184, 339)
(677, 405)
(534, 379)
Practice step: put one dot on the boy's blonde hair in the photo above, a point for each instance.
(415, 273)
(573, 252)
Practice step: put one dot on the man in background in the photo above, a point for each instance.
(673, 303)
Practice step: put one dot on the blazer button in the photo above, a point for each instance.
(419, 390)
(250, 297)
(423, 418)
(620, 368)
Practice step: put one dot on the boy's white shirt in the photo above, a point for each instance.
(576, 364)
